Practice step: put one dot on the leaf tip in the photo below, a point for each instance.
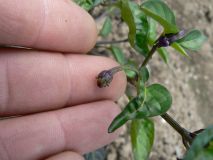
(110, 130)
(119, 120)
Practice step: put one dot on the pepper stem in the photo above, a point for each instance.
(186, 135)
(150, 54)
(123, 67)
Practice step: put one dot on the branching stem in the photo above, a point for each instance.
(150, 54)
(182, 131)
(186, 135)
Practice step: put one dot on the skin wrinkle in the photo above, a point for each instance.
(9, 95)
(2, 145)
(65, 136)
(42, 22)
(70, 84)
(73, 69)
(62, 129)
(7, 89)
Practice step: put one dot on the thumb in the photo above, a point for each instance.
(68, 155)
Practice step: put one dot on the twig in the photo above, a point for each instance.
(182, 131)
(186, 135)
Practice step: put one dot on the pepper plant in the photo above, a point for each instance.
(143, 20)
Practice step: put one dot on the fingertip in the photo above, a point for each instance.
(92, 35)
(71, 29)
(91, 31)
(53, 25)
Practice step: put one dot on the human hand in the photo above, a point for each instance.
(53, 93)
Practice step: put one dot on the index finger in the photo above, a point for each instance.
(58, 25)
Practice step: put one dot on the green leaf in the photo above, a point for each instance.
(156, 101)
(118, 54)
(152, 31)
(142, 79)
(199, 149)
(163, 54)
(179, 48)
(142, 136)
(205, 154)
(130, 74)
(120, 58)
(160, 12)
(107, 27)
(88, 4)
(143, 74)
(193, 40)
(210, 145)
(138, 25)
(152, 101)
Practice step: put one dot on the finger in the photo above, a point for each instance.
(58, 25)
(66, 156)
(33, 81)
(81, 129)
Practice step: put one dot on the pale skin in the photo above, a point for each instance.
(62, 114)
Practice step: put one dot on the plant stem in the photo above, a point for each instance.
(150, 54)
(123, 67)
(111, 42)
(182, 131)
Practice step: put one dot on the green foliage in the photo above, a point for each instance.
(160, 12)
(138, 25)
(107, 27)
(152, 35)
(201, 148)
(152, 101)
(179, 48)
(120, 58)
(143, 75)
(142, 137)
(193, 40)
(156, 100)
(163, 54)
(88, 4)
(118, 54)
